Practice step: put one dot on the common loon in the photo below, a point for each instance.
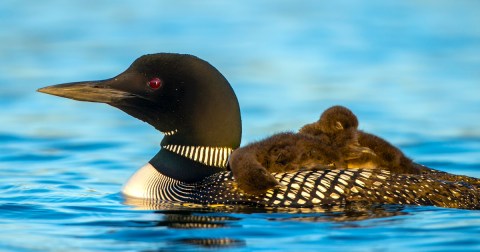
(195, 107)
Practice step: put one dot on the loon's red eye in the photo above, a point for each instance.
(155, 83)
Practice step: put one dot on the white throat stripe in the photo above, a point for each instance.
(170, 133)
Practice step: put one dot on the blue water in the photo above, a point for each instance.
(408, 69)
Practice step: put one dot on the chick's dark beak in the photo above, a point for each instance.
(90, 91)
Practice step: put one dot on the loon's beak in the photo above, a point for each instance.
(90, 91)
(356, 151)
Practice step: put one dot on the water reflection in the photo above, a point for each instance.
(184, 219)
(213, 243)
(183, 215)
(196, 217)
(349, 213)
(174, 216)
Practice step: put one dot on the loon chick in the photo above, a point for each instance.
(386, 156)
(327, 144)
(337, 126)
(191, 102)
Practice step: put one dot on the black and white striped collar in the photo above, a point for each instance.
(211, 156)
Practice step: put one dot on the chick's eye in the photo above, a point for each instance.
(155, 83)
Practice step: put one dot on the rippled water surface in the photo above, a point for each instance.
(409, 70)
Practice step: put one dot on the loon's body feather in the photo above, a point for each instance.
(307, 189)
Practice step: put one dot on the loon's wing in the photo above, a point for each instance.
(340, 187)
(445, 176)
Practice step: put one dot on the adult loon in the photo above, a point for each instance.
(191, 102)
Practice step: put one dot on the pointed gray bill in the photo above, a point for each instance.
(90, 91)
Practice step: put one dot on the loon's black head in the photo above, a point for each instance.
(182, 96)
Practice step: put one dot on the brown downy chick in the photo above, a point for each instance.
(310, 149)
(385, 155)
(253, 164)
(338, 127)
(388, 157)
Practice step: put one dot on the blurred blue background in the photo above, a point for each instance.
(410, 70)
